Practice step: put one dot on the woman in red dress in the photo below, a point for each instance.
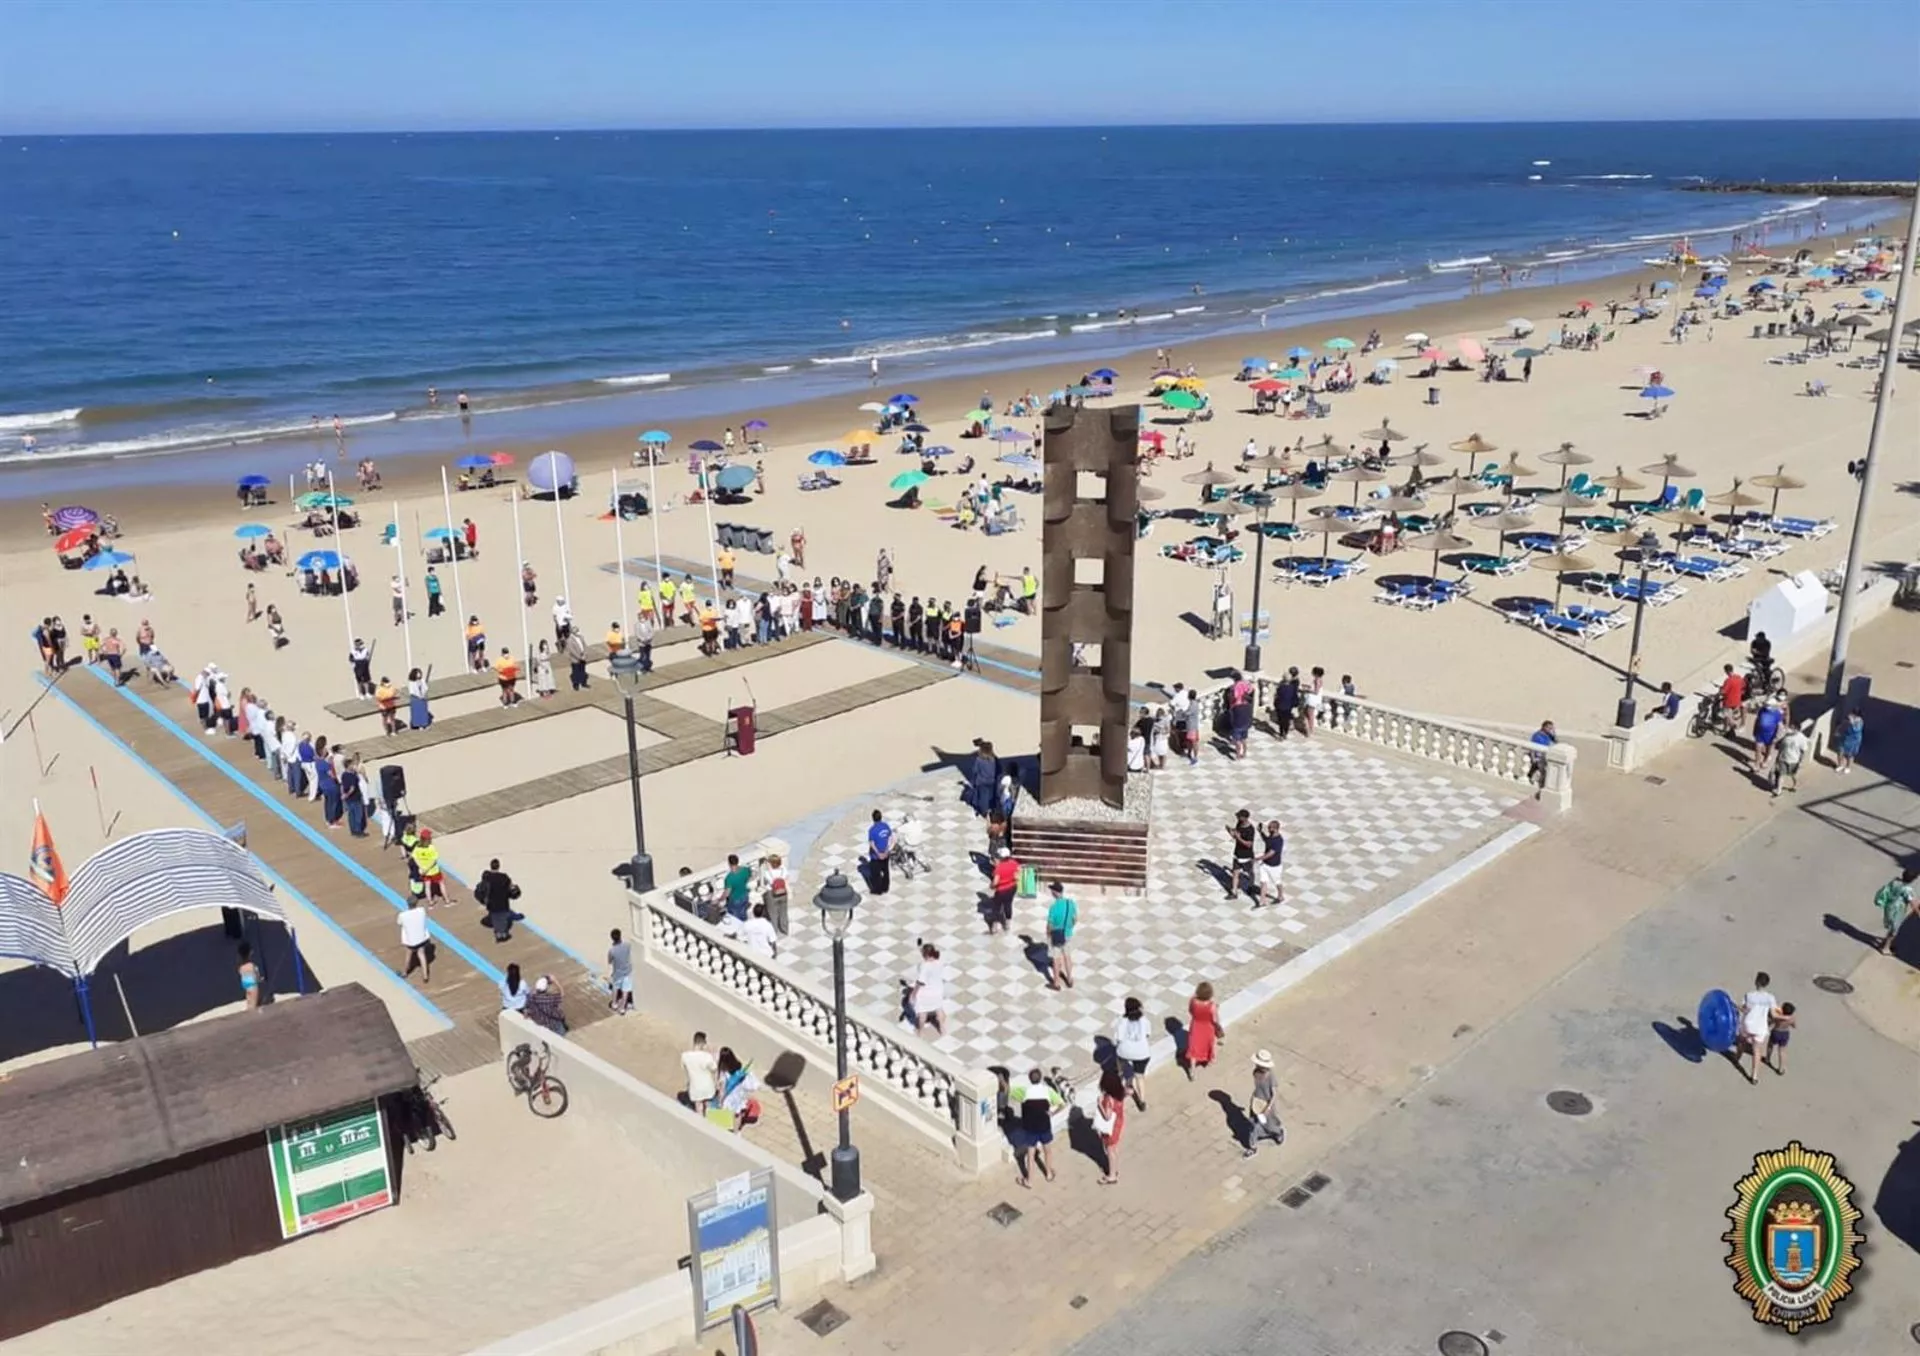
(1203, 1028)
(1110, 1119)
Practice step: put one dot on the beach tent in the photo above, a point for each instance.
(551, 472)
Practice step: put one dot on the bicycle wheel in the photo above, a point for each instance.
(548, 1097)
(440, 1123)
(519, 1070)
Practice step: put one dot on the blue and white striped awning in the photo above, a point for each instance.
(124, 887)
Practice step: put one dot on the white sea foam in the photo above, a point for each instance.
(180, 440)
(778, 368)
(1612, 176)
(1366, 287)
(1188, 310)
(639, 379)
(941, 343)
(24, 423)
(1451, 265)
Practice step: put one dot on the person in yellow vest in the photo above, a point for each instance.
(667, 590)
(724, 563)
(709, 630)
(1029, 590)
(508, 672)
(689, 603)
(388, 701)
(426, 865)
(644, 604)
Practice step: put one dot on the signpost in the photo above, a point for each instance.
(329, 1169)
(846, 1092)
(736, 1248)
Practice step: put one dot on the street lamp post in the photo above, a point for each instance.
(1265, 504)
(837, 900)
(626, 672)
(1627, 712)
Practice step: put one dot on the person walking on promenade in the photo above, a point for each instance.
(1263, 1111)
(1271, 871)
(620, 973)
(1006, 879)
(1110, 1122)
(1847, 747)
(1895, 902)
(1204, 1032)
(1784, 1022)
(1240, 874)
(1790, 754)
(417, 939)
(1757, 1011)
(879, 855)
(1132, 1048)
(1063, 916)
(434, 606)
(701, 1071)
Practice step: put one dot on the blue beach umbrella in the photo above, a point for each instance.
(705, 445)
(254, 482)
(551, 472)
(1298, 352)
(734, 478)
(1821, 272)
(754, 425)
(1010, 435)
(107, 560)
(1707, 292)
(314, 560)
(1873, 294)
(435, 533)
(903, 399)
(475, 462)
(1108, 374)
(1764, 285)
(941, 451)
(826, 456)
(1340, 345)
(249, 530)
(1020, 461)
(1664, 285)
(1245, 363)
(1290, 374)
(656, 436)
(918, 428)
(1657, 393)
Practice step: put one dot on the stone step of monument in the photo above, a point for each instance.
(1084, 852)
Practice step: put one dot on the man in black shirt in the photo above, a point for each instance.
(1241, 872)
(495, 892)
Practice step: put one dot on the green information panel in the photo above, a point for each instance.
(329, 1169)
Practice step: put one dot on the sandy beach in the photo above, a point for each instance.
(1734, 415)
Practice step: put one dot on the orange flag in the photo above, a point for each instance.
(47, 872)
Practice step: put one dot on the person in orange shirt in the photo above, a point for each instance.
(508, 672)
(389, 703)
(476, 644)
(709, 630)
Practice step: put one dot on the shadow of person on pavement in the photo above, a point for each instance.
(1239, 1124)
(1897, 1202)
(1683, 1039)
(1835, 923)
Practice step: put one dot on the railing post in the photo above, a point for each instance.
(1559, 775)
(977, 1141)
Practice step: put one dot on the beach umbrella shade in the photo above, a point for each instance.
(551, 472)
(941, 450)
(1873, 294)
(500, 458)
(1664, 285)
(1517, 469)
(108, 560)
(904, 398)
(316, 560)
(1436, 541)
(1340, 345)
(1209, 476)
(475, 461)
(754, 425)
(246, 532)
(1385, 365)
(1290, 374)
(1502, 523)
(907, 480)
(1148, 493)
(1182, 400)
(1299, 351)
(1386, 433)
(254, 482)
(1399, 503)
(656, 436)
(1764, 285)
(705, 445)
(1357, 476)
(1525, 353)
(1295, 492)
(1734, 500)
(80, 536)
(1266, 461)
(734, 479)
(1471, 350)
(1327, 529)
(1452, 487)
(1432, 355)
(858, 435)
(826, 456)
(1104, 374)
(1473, 446)
(320, 499)
(1010, 435)
(1267, 387)
(1560, 564)
(1021, 461)
(1856, 322)
(1777, 481)
(1246, 363)
(1419, 456)
(873, 407)
(1154, 436)
(1684, 518)
(1418, 338)
(1669, 468)
(1326, 448)
(436, 533)
(918, 428)
(1520, 325)
(72, 516)
(1657, 393)
(1564, 457)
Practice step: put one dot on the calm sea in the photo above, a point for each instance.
(170, 292)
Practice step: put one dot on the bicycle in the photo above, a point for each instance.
(527, 1075)
(426, 1118)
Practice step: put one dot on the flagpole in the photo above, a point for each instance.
(453, 555)
(620, 553)
(560, 529)
(346, 608)
(400, 559)
(706, 502)
(519, 565)
(653, 512)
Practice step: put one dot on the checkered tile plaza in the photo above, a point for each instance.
(1360, 830)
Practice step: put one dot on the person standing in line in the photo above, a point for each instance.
(360, 657)
(643, 605)
(418, 941)
(643, 631)
(1186, 722)
(1263, 1111)
(620, 973)
(507, 672)
(495, 892)
(419, 716)
(399, 593)
(702, 1072)
(1132, 1048)
(668, 592)
(1240, 713)
(388, 701)
(1790, 755)
(1847, 747)
(1063, 916)
(1271, 871)
(543, 685)
(426, 862)
(1204, 1032)
(290, 742)
(249, 978)
(1110, 1122)
(1006, 880)
(434, 606)
(1895, 901)
(1240, 875)
(1757, 1011)
(879, 855)
(332, 806)
(1034, 1102)
(353, 795)
(577, 660)
(1312, 698)
(253, 604)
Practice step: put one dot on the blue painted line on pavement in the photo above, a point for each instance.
(346, 863)
(279, 884)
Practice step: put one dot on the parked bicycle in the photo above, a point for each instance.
(423, 1116)
(528, 1076)
(1709, 714)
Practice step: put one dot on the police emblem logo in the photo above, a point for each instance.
(1795, 1240)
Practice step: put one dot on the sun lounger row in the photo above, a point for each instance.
(1302, 570)
(1710, 568)
(1658, 592)
(1809, 529)
(1422, 595)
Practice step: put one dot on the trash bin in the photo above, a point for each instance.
(763, 540)
(1433, 395)
(724, 532)
(740, 730)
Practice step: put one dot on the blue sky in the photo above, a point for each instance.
(282, 65)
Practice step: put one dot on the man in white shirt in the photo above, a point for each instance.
(399, 591)
(702, 1072)
(562, 621)
(1222, 609)
(758, 936)
(1756, 1021)
(418, 941)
